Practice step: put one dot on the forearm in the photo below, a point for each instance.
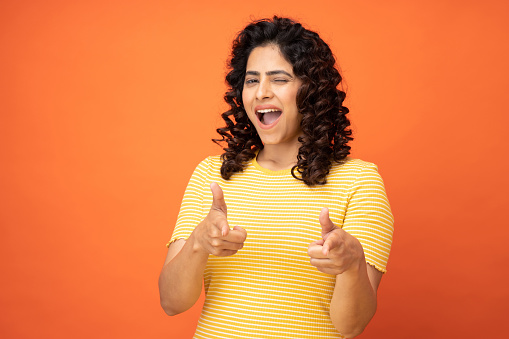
(181, 279)
(353, 302)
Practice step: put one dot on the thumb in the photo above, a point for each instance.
(326, 223)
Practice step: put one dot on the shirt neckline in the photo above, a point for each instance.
(268, 171)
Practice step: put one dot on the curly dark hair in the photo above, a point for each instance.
(324, 124)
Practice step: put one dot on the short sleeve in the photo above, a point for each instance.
(191, 209)
(368, 216)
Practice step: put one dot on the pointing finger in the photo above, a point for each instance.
(330, 243)
(315, 251)
(218, 202)
(222, 225)
(237, 235)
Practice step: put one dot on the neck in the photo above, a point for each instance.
(278, 157)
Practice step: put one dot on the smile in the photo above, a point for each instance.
(268, 117)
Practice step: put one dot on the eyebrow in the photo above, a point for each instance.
(269, 73)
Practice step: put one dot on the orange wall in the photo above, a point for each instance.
(106, 107)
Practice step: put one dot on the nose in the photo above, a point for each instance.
(264, 90)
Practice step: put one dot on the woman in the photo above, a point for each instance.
(290, 236)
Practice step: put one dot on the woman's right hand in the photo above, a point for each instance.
(213, 235)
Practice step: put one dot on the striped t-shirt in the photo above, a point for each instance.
(269, 289)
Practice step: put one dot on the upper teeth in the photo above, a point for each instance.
(267, 110)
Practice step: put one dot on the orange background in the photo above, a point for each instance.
(107, 107)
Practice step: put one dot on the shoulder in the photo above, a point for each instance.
(206, 167)
(353, 167)
(211, 162)
(354, 172)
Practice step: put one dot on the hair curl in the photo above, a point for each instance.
(325, 127)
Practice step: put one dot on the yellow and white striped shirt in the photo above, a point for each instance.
(269, 289)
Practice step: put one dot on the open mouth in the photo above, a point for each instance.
(268, 116)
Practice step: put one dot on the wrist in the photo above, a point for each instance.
(196, 247)
(359, 261)
(358, 267)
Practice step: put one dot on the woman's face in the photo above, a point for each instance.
(270, 96)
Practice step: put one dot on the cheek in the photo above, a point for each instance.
(295, 92)
(290, 97)
(247, 104)
(245, 97)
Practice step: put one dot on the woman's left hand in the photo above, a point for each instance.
(337, 251)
